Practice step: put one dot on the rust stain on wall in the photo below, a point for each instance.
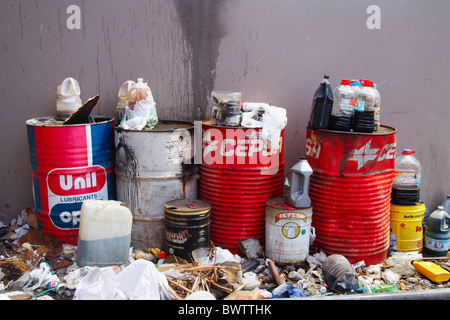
(203, 28)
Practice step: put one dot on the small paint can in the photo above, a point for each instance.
(288, 232)
(187, 226)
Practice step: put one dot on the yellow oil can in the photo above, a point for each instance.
(406, 227)
(432, 271)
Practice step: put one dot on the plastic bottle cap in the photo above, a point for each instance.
(366, 83)
(440, 207)
(354, 83)
(345, 82)
(408, 151)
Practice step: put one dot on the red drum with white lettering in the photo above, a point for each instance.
(69, 164)
(238, 174)
(350, 190)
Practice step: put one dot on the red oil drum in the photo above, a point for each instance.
(238, 175)
(350, 191)
(69, 164)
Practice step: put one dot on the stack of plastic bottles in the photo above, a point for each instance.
(353, 106)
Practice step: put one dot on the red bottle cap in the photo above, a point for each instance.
(408, 151)
(345, 82)
(366, 83)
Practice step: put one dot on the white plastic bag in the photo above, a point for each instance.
(141, 108)
(272, 122)
(41, 277)
(200, 295)
(99, 284)
(200, 256)
(142, 281)
(138, 281)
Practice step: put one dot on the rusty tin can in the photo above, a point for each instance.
(288, 232)
(187, 226)
(152, 168)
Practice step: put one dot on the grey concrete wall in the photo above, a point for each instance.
(275, 51)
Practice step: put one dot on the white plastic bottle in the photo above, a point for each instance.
(356, 87)
(408, 171)
(377, 108)
(367, 94)
(122, 96)
(68, 98)
(104, 234)
(364, 113)
(343, 106)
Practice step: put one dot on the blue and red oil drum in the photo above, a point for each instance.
(238, 174)
(69, 164)
(350, 190)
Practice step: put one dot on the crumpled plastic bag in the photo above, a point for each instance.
(74, 277)
(200, 295)
(41, 277)
(139, 113)
(200, 256)
(138, 281)
(271, 119)
(288, 290)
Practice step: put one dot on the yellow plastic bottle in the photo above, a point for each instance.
(432, 271)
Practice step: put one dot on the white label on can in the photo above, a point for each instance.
(178, 148)
(67, 189)
(436, 244)
(288, 236)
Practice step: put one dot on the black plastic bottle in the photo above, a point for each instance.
(322, 106)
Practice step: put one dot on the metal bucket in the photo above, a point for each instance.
(350, 190)
(187, 226)
(69, 164)
(406, 227)
(152, 168)
(238, 175)
(288, 232)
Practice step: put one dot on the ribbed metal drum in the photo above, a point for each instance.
(69, 164)
(238, 175)
(152, 168)
(350, 190)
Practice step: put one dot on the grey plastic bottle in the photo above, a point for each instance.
(446, 204)
(296, 185)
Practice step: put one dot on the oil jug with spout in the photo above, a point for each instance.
(296, 185)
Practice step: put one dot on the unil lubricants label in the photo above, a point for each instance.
(68, 188)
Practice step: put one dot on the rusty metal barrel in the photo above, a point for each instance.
(238, 174)
(152, 168)
(350, 191)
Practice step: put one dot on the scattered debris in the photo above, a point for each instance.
(37, 266)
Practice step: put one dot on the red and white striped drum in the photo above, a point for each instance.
(69, 164)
